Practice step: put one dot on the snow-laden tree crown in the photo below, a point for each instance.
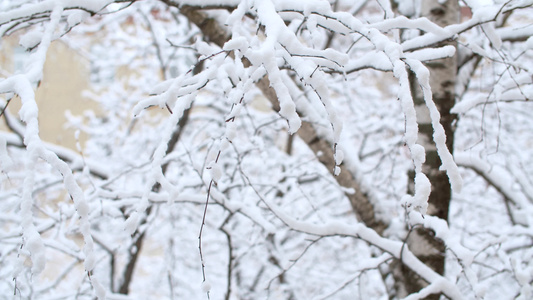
(269, 149)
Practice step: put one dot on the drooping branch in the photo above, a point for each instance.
(359, 201)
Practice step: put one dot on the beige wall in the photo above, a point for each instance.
(65, 77)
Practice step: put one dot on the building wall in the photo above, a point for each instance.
(65, 77)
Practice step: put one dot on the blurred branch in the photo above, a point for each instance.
(230, 256)
(495, 179)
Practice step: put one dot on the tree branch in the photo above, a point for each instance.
(359, 201)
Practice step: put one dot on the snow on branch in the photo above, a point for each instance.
(257, 46)
(404, 23)
(310, 64)
(439, 135)
(497, 176)
(22, 86)
(29, 13)
(438, 283)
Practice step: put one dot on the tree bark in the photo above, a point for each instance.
(422, 241)
(359, 201)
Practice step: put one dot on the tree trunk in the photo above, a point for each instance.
(359, 201)
(422, 241)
